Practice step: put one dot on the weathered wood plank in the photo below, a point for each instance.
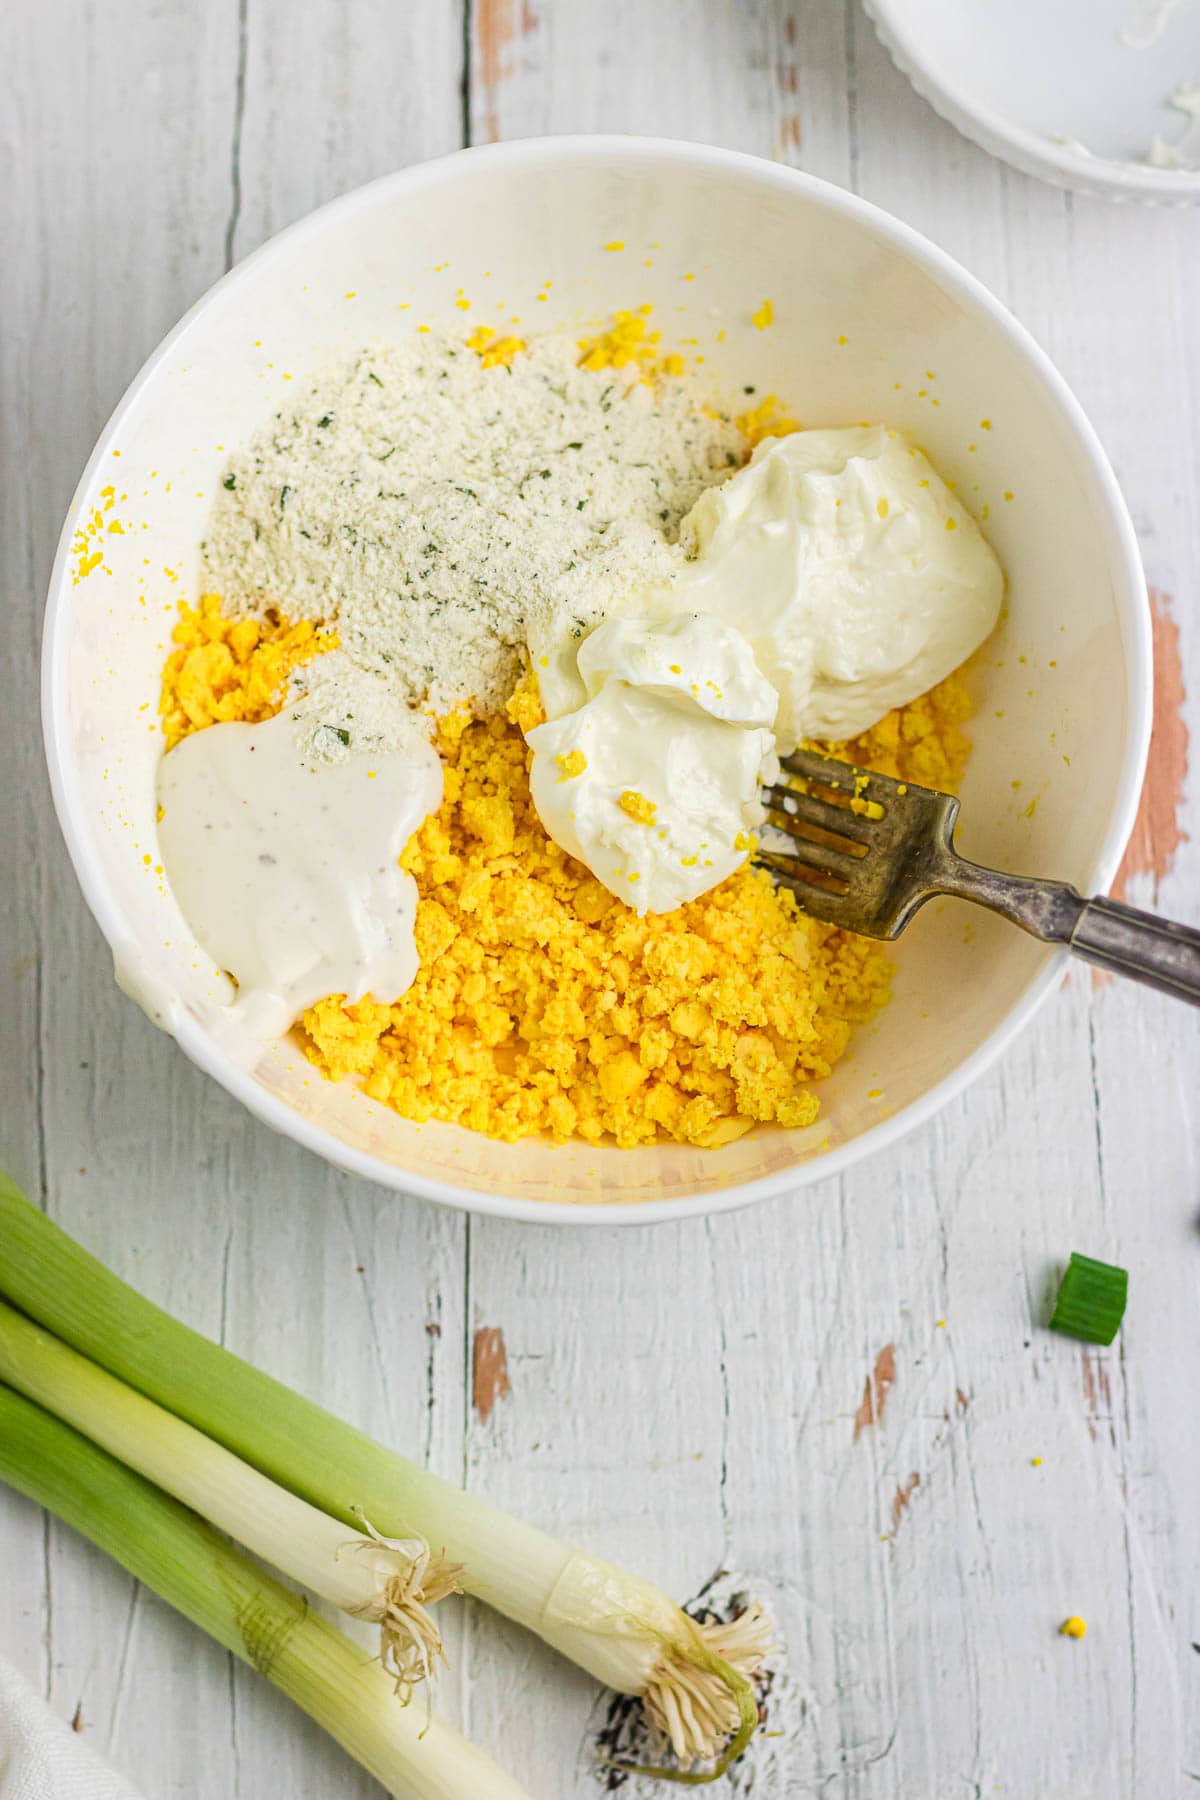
(127, 214)
(684, 1396)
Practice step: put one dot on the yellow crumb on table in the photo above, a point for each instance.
(1074, 1627)
(230, 669)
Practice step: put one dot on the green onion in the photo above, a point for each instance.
(390, 1581)
(1091, 1300)
(695, 1680)
(193, 1568)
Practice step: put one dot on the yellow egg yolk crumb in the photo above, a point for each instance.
(228, 669)
(629, 340)
(493, 351)
(765, 420)
(636, 806)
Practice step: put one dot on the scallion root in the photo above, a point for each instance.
(411, 1580)
(701, 1695)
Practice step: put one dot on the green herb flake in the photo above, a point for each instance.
(230, 482)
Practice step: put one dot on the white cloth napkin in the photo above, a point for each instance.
(41, 1758)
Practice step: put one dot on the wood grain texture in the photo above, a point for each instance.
(695, 1395)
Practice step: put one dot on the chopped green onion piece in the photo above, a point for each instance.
(1091, 1300)
(194, 1569)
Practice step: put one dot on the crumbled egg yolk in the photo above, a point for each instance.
(571, 763)
(629, 340)
(231, 668)
(637, 807)
(766, 420)
(493, 351)
(543, 1005)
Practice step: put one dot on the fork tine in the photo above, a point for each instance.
(822, 902)
(826, 814)
(830, 771)
(816, 856)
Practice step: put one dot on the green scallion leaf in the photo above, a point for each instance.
(1091, 1300)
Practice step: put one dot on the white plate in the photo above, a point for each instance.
(1076, 91)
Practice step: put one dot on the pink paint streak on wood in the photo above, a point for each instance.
(901, 1499)
(1097, 1391)
(961, 1400)
(1158, 832)
(489, 1370)
(876, 1389)
(499, 24)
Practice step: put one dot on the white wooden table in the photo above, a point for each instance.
(684, 1396)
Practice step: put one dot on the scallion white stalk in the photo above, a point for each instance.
(390, 1581)
(695, 1680)
(203, 1576)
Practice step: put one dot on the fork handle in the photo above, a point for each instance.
(1153, 951)
(1104, 932)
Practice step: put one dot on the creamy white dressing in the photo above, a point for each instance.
(857, 577)
(833, 578)
(654, 794)
(287, 868)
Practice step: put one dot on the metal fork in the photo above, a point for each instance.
(867, 851)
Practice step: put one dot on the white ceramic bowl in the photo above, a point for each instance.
(871, 321)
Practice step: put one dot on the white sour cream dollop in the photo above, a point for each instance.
(286, 864)
(832, 579)
(653, 782)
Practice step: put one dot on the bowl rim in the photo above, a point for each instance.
(1133, 614)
